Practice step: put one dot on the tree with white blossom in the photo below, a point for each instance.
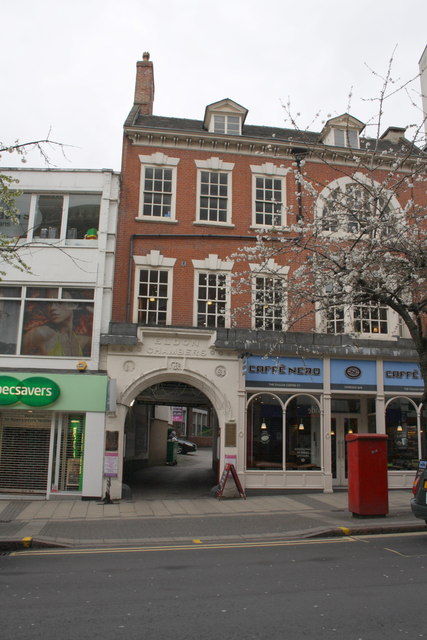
(355, 242)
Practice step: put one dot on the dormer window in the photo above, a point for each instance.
(227, 124)
(225, 118)
(346, 138)
(342, 131)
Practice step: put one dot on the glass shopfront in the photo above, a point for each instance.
(300, 410)
(283, 432)
(406, 428)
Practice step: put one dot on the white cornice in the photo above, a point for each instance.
(200, 141)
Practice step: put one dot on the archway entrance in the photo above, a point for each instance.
(156, 466)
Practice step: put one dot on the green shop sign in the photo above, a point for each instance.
(35, 391)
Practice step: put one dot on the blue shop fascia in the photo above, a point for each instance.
(299, 410)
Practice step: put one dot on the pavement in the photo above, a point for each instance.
(172, 519)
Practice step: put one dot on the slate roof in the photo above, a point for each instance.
(257, 132)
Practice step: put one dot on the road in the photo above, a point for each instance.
(354, 588)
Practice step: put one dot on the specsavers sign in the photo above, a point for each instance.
(34, 392)
(58, 392)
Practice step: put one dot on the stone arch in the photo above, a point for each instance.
(201, 383)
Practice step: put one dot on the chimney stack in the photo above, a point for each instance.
(144, 85)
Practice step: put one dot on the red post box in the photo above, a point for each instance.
(367, 474)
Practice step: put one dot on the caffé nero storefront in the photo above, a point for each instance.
(300, 410)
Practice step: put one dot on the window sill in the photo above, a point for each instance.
(205, 223)
(148, 219)
(372, 336)
(266, 228)
(67, 242)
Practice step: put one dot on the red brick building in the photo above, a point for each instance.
(193, 193)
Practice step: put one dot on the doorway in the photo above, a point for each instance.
(341, 425)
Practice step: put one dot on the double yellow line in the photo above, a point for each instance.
(195, 544)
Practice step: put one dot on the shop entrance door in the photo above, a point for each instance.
(341, 425)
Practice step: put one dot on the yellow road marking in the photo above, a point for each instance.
(184, 547)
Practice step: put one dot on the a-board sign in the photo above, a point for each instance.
(229, 469)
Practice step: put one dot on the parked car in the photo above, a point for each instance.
(185, 446)
(419, 489)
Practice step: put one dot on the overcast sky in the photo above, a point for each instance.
(70, 65)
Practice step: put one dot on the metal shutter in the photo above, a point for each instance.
(24, 455)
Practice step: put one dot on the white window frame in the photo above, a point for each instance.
(225, 123)
(343, 222)
(273, 271)
(154, 261)
(269, 171)
(214, 165)
(213, 265)
(161, 161)
(347, 316)
(342, 137)
(56, 233)
(345, 137)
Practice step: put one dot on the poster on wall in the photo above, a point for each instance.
(111, 455)
(111, 464)
(57, 322)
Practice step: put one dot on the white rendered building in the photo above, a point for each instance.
(53, 384)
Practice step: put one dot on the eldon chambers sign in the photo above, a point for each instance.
(35, 392)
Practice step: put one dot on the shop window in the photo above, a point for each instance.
(401, 428)
(67, 471)
(53, 217)
(265, 433)
(53, 321)
(423, 432)
(14, 224)
(303, 444)
(83, 216)
(47, 221)
(10, 309)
